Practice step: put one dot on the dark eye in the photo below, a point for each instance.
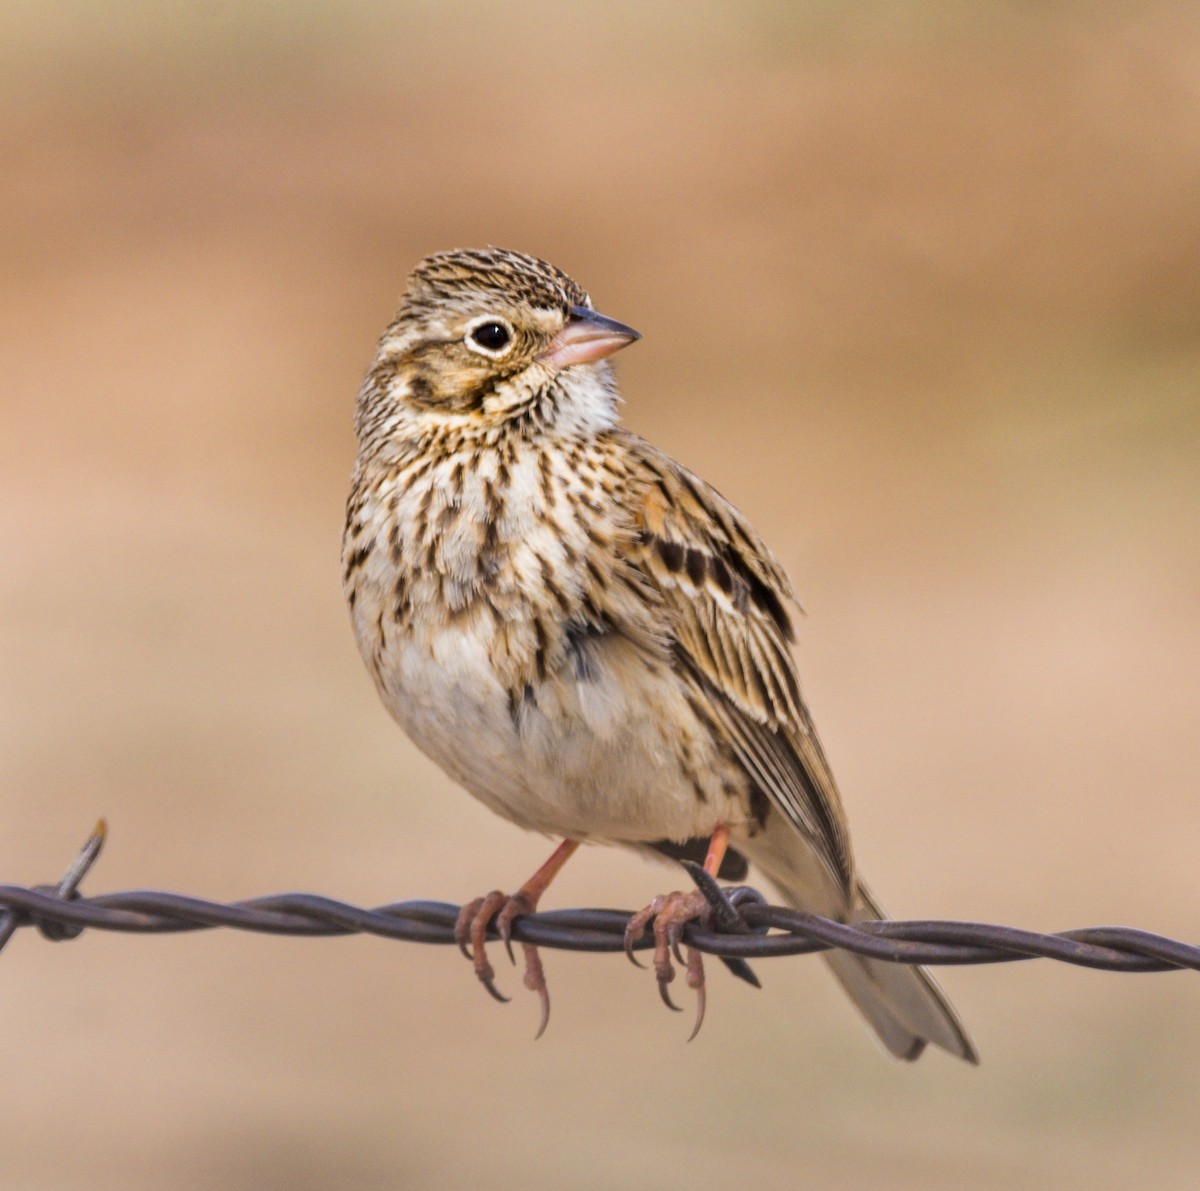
(491, 336)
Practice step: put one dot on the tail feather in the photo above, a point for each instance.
(902, 1002)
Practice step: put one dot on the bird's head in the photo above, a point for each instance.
(490, 335)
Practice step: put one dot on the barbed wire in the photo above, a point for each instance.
(741, 927)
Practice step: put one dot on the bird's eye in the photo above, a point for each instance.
(491, 337)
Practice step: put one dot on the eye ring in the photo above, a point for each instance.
(490, 336)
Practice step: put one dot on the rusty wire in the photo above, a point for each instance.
(741, 927)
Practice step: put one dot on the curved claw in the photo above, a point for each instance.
(487, 980)
(666, 996)
(675, 938)
(701, 999)
(544, 997)
(535, 981)
(636, 927)
(545, 1015)
(504, 928)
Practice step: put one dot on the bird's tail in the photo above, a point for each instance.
(902, 1002)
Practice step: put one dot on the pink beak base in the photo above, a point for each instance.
(587, 337)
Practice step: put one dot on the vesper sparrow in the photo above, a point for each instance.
(580, 631)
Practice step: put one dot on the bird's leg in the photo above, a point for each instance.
(717, 847)
(671, 912)
(498, 909)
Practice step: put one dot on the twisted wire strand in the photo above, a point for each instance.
(744, 926)
(1109, 948)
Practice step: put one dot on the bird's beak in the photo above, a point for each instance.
(587, 336)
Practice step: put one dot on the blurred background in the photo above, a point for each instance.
(920, 291)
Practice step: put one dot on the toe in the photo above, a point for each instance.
(485, 911)
(462, 926)
(671, 914)
(636, 927)
(513, 907)
(535, 981)
(695, 979)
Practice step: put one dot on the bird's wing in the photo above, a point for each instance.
(726, 602)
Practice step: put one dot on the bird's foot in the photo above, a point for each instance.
(470, 933)
(671, 912)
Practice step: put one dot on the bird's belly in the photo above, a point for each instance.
(614, 754)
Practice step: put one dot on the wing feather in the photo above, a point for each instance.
(726, 600)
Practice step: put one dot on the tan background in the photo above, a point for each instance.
(920, 290)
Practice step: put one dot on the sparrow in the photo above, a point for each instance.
(584, 634)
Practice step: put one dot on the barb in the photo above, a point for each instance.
(65, 889)
(60, 913)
